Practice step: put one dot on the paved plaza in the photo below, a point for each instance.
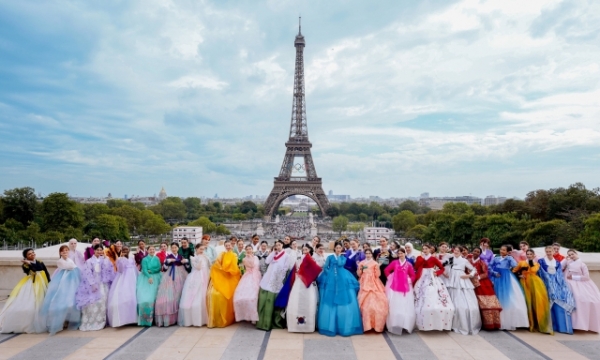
(243, 341)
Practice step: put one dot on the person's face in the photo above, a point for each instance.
(200, 250)
(476, 253)
(96, 241)
(294, 245)
(503, 251)
(142, 245)
(401, 255)
(205, 242)
(73, 244)
(240, 245)
(305, 250)
(338, 249)
(98, 252)
(556, 249)
(523, 247)
(125, 252)
(457, 252)
(163, 247)
(444, 248)
(572, 255)
(228, 246)
(255, 240)
(184, 244)
(64, 253)
(249, 251)
(425, 250)
(366, 246)
(530, 255)
(263, 247)
(119, 245)
(549, 252)
(320, 251)
(354, 245)
(174, 249)
(287, 239)
(316, 240)
(483, 244)
(408, 248)
(152, 250)
(393, 246)
(369, 255)
(465, 253)
(278, 246)
(382, 242)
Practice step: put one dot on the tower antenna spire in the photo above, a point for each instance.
(299, 25)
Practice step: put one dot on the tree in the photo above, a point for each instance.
(20, 204)
(589, 239)
(545, 233)
(403, 221)
(208, 227)
(59, 213)
(132, 215)
(91, 211)
(109, 227)
(356, 227)
(462, 229)
(332, 211)
(363, 217)
(339, 224)
(172, 208)
(417, 231)
(193, 207)
(458, 208)
(409, 205)
(222, 230)
(247, 206)
(115, 203)
(152, 224)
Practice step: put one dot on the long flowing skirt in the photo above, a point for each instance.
(302, 308)
(401, 309)
(538, 304)
(587, 305)
(93, 316)
(373, 309)
(59, 304)
(266, 309)
(220, 309)
(488, 305)
(168, 297)
(512, 299)
(245, 298)
(21, 311)
(466, 320)
(122, 300)
(339, 319)
(433, 305)
(146, 297)
(561, 319)
(192, 307)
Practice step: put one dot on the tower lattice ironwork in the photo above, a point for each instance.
(297, 175)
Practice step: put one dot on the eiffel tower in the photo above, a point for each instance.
(297, 175)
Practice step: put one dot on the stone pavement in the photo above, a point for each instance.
(243, 341)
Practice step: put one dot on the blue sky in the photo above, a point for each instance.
(451, 97)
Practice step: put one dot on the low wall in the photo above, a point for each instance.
(11, 272)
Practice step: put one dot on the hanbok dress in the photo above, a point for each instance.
(509, 293)
(224, 278)
(447, 260)
(433, 305)
(489, 305)
(262, 258)
(92, 293)
(211, 253)
(122, 299)
(487, 256)
(401, 297)
(139, 256)
(352, 260)
(411, 258)
(562, 302)
(319, 259)
(245, 298)
(302, 305)
(112, 254)
(77, 258)
(536, 296)
(192, 306)
(162, 256)
(146, 292)
(59, 304)
(166, 309)
(467, 319)
(587, 297)
(188, 254)
(372, 301)
(270, 286)
(339, 313)
(21, 311)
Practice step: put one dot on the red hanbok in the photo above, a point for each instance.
(486, 297)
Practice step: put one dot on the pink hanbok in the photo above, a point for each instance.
(587, 296)
(245, 298)
(122, 299)
(401, 297)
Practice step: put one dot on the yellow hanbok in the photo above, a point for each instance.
(224, 278)
(21, 311)
(536, 296)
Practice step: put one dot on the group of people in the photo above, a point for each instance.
(354, 290)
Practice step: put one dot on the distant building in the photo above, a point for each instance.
(330, 192)
(493, 200)
(372, 234)
(437, 203)
(337, 198)
(424, 195)
(162, 194)
(192, 233)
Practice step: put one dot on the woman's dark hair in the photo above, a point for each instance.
(164, 242)
(478, 249)
(141, 241)
(310, 248)
(264, 242)
(26, 251)
(460, 248)
(278, 241)
(484, 240)
(337, 243)
(368, 251)
(255, 235)
(318, 246)
(523, 243)
(176, 244)
(397, 244)
(98, 246)
(248, 246)
(198, 246)
(61, 249)
(530, 251)
(233, 237)
(402, 250)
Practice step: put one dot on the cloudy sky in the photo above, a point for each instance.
(451, 97)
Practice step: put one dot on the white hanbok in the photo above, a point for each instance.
(467, 318)
(192, 306)
(303, 304)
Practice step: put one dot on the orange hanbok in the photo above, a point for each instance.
(224, 278)
(371, 296)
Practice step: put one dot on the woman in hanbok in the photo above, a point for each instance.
(466, 320)
(433, 305)
(509, 292)
(224, 278)
(410, 254)
(240, 251)
(113, 252)
(75, 255)
(338, 313)
(21, 311)
(354, 255)
(372, 301)
(148, 282)
(166, 309)
(446, 259)
(536, 295)
(59, 304)
(122, 300)
(209, 250)
(487, 255)
(301, 313)
(489, 306)
(319, 255)
(270, 286)
(162, 253)
(562, 302)
(245, 298)
(92, 293)
(192, 307)
(587, 297)
(401, 298)
(261, 255)
(89, 251)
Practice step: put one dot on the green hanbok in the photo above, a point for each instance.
(146, 292)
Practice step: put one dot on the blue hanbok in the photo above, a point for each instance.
(509, 293)
(561, 298)
(59, 304)
(338, 313)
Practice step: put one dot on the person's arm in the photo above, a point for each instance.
(377, 271)
(471, 268)
(585, 273)
(515, 269)
(390, 268)
(270, 257)
(144, 265)
(441, 268)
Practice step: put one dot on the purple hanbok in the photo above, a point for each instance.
(92, 293)
(122, 300)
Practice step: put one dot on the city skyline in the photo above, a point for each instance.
(459, 97)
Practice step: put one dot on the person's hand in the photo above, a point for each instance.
(446, 275)
(497, 275)
(185, 261)
(26, 262)
(150, 281)
(569, 277)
